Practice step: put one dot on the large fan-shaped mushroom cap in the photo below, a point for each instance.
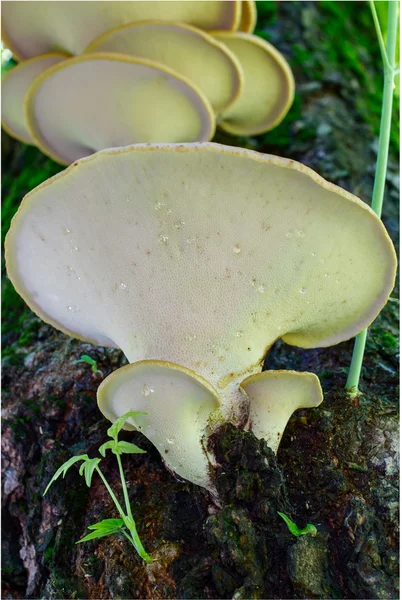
(32, 28)
(102, 100)
(199, 254)
(189, 51)
(14, 86)
(268, 89)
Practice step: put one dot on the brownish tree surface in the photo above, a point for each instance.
(337, 464)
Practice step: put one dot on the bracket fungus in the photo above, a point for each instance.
(201, 255)
(211, 66)
(177, 430)
(110, 100)
(32, 28)
(14, 86)
(268, 89)
(274, 396)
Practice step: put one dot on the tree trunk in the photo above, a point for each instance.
(337, 464)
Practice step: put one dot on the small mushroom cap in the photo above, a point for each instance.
(268, 90)
(179, 405)
(274, 396)
(72, 112)
(248, 19)
(14, 86)
(199, 254)
(32, 28)
(189, 51)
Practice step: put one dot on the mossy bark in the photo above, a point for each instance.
(337, 464)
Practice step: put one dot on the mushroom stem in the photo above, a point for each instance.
(352, 383)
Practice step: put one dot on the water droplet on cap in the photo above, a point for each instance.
(303, 290)
(73, 308)
(164, 238)
(190, 338)
(121, 285)
(147, 390)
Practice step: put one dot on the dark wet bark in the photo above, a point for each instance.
(337, 464)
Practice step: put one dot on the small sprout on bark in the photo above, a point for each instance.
(126, 523)
(90, 361)
(293, 528)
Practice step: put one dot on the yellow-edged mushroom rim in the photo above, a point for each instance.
(201, 255)
(104, 100)
(210, 65)
(248, 18)
(14, 86)
(32, 28)
(180, 407)
(268, 90)
(274, 396)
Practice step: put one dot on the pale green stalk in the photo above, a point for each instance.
(130, 523)
(109, 489)
(388, 52)
(128, 520)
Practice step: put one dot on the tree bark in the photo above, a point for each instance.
(337, 464)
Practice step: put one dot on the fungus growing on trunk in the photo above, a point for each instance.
(189, 51)
(274, 396)
(32, 28)
(268, 89)
(190, 404)
(143, 100)
(201, 255)
(14, 86)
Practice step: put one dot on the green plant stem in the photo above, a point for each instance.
(130, 523)
(123, 484)
(109, 489)
(388, 55)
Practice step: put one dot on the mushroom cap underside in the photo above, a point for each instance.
(274, 396)
(178, 404)
(14, 86)
(193, 53)
(199, 254)
(136, 95)
(268, 89)
(32, 28)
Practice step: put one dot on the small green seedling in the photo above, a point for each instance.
(126, 524)
(293, 528)
(90, 361)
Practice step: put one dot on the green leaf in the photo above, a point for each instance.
(64, 468)
(85, 358)
(107, 524)
(127, 448)
(293, 528)
(89, 467)
(106, 446)
(120, 448)
(113, 431)
(102, 529)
